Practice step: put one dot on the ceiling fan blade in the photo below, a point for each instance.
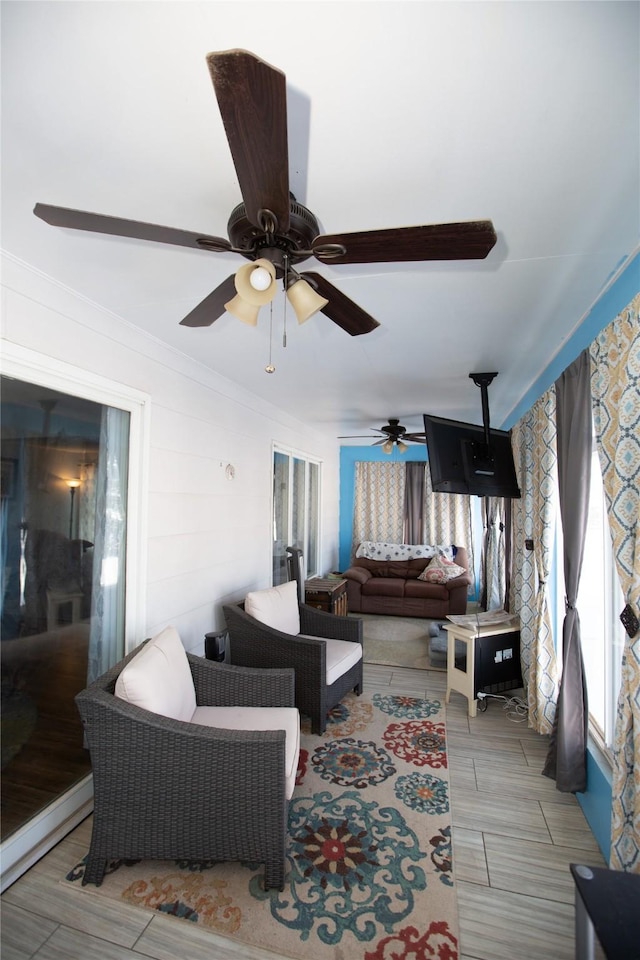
(117, 227)
(340, 308)
(212, 306)
(441, 241)
(415, 437)
(252, 96)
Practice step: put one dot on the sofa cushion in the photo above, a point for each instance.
(423, 590)
(159, 678)
(383, 587)
(441, 570)
(277, 607)
(259, 718)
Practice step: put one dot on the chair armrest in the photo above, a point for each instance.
(256, 644)
(319, 623)
(179, 759)
(225, 685)
(358, 574)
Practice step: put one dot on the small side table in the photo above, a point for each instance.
(492, 660)
(327, 594)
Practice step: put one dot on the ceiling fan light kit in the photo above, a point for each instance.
(270, 228)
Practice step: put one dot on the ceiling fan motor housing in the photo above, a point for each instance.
(253, 242)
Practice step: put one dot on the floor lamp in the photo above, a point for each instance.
(73, 486)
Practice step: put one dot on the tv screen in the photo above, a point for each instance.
(460, 462)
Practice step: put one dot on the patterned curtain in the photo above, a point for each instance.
(447, 518)
(533, 520)
(378, 506)
(615, 388)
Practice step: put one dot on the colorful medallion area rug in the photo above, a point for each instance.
(369, 871)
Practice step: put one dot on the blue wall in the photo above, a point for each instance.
(596, 801)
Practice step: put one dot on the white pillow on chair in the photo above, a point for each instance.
(159, 678)
(277, 607)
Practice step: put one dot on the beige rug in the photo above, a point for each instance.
(369, 874)
(399, 642)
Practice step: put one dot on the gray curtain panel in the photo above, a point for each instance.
(413, 502)
(566, 759)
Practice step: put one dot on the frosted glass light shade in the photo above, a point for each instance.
(244, 311)
(387, 446)
(402, 446)
(245, 288)
(304, 300)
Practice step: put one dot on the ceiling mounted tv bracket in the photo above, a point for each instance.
(483, 380)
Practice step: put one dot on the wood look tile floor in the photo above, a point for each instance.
(514, 836)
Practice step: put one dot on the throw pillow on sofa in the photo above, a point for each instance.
(441, 570)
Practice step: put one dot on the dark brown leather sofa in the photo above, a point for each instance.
(391, 587)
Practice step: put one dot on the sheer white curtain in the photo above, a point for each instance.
(106, 639)
(493, 565)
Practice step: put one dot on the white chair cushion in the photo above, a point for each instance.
(159, 678)
(341, 656)
(277, 607)
(259, 718)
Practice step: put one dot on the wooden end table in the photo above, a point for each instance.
(327, 594)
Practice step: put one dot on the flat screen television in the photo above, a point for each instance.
(460, 462)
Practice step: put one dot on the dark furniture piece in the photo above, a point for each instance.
(327, 594)
(215, 645)
(392, 588)
(165, 789)
(254, 644)
(607, 902)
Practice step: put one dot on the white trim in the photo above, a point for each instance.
(24, 847)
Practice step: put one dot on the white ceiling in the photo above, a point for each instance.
(525, 113)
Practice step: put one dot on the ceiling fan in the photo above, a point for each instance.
(270, 226)
(394, 434)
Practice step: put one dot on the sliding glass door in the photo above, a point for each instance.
(65, 587)
(63, 543)
(296, 512)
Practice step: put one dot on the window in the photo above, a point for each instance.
(296, 512)
(600, 601)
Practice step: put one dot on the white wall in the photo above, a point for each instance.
(207, 539)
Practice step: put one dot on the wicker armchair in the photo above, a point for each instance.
(168, 789)
(256, 644)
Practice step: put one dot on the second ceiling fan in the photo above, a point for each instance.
(270, 226)
(394, 434)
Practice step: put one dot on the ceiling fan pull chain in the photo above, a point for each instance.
(284, 320)
(270, 367)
